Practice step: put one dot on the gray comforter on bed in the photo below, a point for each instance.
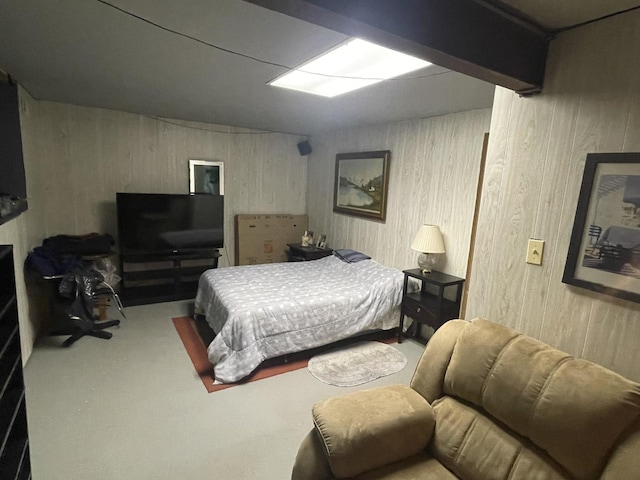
(264, 311)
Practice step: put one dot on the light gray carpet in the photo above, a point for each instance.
(133, 408)
(357, 364)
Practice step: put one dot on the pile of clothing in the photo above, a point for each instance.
(77, 262)
(60, 254)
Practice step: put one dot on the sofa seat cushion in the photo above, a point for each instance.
(476, 447)
(419, 467)
(370, 428)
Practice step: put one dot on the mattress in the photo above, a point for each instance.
(264, 311)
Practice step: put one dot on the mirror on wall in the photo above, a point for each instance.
(206, 176)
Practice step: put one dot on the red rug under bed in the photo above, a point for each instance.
(188, 332)
(197, 350)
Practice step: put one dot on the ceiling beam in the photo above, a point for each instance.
(460, 35)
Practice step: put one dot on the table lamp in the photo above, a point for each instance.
(429, 243)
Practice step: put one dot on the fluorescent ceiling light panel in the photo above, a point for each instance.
(352, 65)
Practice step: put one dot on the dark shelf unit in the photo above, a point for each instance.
(14, 436)
(429, 305)
(164, 284)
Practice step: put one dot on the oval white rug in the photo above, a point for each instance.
(357, 364)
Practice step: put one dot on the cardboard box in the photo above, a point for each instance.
(264, 238)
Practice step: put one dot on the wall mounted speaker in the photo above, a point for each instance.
(304, 148)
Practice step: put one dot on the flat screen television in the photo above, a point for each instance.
(13, 185)
(162, 223)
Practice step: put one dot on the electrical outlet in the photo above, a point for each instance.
(534, 251)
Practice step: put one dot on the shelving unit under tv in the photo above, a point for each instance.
(154, 277)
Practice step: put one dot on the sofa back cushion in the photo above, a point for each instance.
(474, 446)
(574, 410)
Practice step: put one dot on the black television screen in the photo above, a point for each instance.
(169, 223)
(13, 186)
(12, 178)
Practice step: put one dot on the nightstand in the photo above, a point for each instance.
(298, 253)
(428, 305)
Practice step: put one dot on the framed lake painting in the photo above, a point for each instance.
(361, 184)
(604, 253)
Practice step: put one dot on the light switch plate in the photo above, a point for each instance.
(535, 249)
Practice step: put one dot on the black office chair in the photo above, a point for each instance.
(84, 285)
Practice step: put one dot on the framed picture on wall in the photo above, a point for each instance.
(604, 253)
(361, 184)
(206, 176)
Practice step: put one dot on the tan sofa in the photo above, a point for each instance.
(484, 403)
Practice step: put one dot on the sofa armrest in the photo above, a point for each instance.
(311, 461)
(371, 428)
(625, 458)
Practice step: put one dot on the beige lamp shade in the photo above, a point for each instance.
(428, 240)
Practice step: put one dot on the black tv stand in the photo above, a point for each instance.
(150, 277)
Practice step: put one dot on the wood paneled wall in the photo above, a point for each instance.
(77, 158)
(433, 178)
(535, 161)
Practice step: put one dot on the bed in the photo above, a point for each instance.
(264, 311)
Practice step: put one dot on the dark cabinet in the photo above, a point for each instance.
(14, 438)
(155, 278)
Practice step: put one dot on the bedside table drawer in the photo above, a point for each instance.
(298, 253)
(416, 310)
(317, 255)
